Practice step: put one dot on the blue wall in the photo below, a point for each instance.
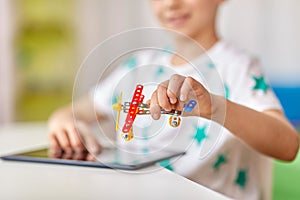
(290, 100)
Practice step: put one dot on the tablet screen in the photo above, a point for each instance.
(108, 158)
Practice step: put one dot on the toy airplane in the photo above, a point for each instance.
(137, 107)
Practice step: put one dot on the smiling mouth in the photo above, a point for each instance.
(177, 21)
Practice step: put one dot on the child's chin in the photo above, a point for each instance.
(185, 32)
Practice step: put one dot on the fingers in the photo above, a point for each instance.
(163, 99)
(53, 141)
(69, 155)
(93, 145)
(171, 94)
(75, 139)
(90, 142)
(189, 89)
(71, 139)
(63, 140)
(185, 90)
(154, 106)
(176, 93)
(166, 96)
(91, 158)
(174, 86)
(55, 150)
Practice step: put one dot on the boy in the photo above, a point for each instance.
(253, 115)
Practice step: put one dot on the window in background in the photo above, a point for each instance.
(45, 51)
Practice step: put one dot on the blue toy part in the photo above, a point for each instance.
(190, 106)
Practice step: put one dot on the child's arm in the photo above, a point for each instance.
(268, 132)
(64, 131)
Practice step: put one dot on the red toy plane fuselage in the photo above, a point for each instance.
(137, 98)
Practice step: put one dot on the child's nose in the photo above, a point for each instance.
(172, 3)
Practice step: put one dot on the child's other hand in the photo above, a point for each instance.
(68, 136)
(176, 92)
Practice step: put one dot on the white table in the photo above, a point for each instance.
(44, 181)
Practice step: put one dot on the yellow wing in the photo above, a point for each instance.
(118, 107)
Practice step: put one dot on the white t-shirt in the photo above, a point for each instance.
(215, 158)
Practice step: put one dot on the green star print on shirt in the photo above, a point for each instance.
(159, 71)
(211, 65)
(166, 164)
(200, 134)
(260, 84)
(115, 99)
(241, 179)
(220, 160)
(145, 150)
(227, 91)
(131, 62)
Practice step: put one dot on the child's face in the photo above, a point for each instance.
(190, 17)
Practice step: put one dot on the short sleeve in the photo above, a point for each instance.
(250, 86)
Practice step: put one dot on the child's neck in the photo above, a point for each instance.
(206, 40)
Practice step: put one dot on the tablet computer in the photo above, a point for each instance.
(109, 158)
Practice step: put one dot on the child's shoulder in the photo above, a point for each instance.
(227, 54)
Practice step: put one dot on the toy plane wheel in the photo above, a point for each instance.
(174, 121)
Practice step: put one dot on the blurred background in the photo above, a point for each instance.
(43, 42)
